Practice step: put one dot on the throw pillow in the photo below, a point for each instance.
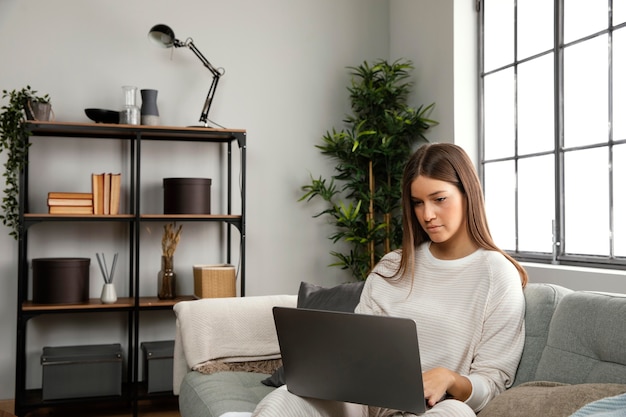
(342, 297)
(550, 399)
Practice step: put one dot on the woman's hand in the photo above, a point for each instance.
(441, 381)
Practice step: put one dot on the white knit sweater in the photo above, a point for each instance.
(469, 314)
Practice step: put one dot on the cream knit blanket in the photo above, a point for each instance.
(233, 329)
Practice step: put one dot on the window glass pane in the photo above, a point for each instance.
(587, 202)
(584, 17)
(536, 203)
(619, 84)
(535, 105)
(500, 202)
(499, 114)
(498, 33)
(619, 11)
(535, 27)
(586, 92)
(619, 200)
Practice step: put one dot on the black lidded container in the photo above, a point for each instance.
(186, 195)
(60, 280)
(81, 371)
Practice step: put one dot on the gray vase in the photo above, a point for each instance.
(149, 109)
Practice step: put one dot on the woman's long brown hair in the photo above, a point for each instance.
(445, 162)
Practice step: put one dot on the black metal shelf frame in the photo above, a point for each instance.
(27, 400)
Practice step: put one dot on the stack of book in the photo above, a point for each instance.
(70, 203)
(104, 197)
(106, 193)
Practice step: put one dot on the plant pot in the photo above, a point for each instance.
(39, 111)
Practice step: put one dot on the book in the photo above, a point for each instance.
(106, 194)
(116, 182)
(77, 196)
(70, 202)
(97, 189)
(70, 210)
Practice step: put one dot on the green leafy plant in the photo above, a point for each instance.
(363, 197)
(14, 135)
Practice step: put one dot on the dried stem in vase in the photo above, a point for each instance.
(171, 237)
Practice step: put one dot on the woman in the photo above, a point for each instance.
(464, 293)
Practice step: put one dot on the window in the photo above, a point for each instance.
(553, 131)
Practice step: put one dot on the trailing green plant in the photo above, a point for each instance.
(14, 135)
(363, 197)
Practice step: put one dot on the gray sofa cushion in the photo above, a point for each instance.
(541, 301)
(215, 394)
(547, 399)
(342, 297)
(586, 340)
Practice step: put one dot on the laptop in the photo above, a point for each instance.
(357, 358)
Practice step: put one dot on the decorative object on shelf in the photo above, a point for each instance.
(214, 281)
(167, 276)
(164, 36)
(14, 140)
(103, 115)
(370, 154)
(39, 110)
(130, 113)
(60, 280)
(149, 109)
(109, 295)
(186, 195)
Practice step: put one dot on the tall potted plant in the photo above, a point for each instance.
(14, 142)
(363, 197)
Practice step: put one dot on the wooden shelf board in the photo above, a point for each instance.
(131, 216)
(156, 302)
(81, 216)
(93, 303)
(117, 131)
(96, 304)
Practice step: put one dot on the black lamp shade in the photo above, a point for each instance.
(162, 35)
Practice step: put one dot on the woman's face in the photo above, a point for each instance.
(440, 209)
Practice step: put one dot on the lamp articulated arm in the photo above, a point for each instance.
(204, 116)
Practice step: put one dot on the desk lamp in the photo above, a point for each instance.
(163, 35)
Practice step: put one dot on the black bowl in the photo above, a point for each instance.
(103, 116)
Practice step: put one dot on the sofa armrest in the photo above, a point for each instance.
(227, 329)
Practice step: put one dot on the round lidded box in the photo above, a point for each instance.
(186, 195)
(60, 280)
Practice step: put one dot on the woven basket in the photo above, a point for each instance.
(214, 281)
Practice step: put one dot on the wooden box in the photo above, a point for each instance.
(214, 281)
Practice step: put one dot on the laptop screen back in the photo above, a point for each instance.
(372, 360)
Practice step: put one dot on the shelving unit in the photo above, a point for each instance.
(133, 390)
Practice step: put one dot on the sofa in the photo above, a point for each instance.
(226, 355)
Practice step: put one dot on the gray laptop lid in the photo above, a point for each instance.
(372, 360)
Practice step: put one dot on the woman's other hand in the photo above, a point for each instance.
(441, 381)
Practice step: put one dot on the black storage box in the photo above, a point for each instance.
(158, 365)
(81, 371)
(186, 195)
(60, 280)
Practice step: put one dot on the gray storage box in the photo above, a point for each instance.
(158, 365)
(81, 371)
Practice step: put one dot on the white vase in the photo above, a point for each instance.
(109, 296)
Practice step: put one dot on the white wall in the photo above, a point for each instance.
(285, 83)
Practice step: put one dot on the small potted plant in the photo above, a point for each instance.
(14, 141)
